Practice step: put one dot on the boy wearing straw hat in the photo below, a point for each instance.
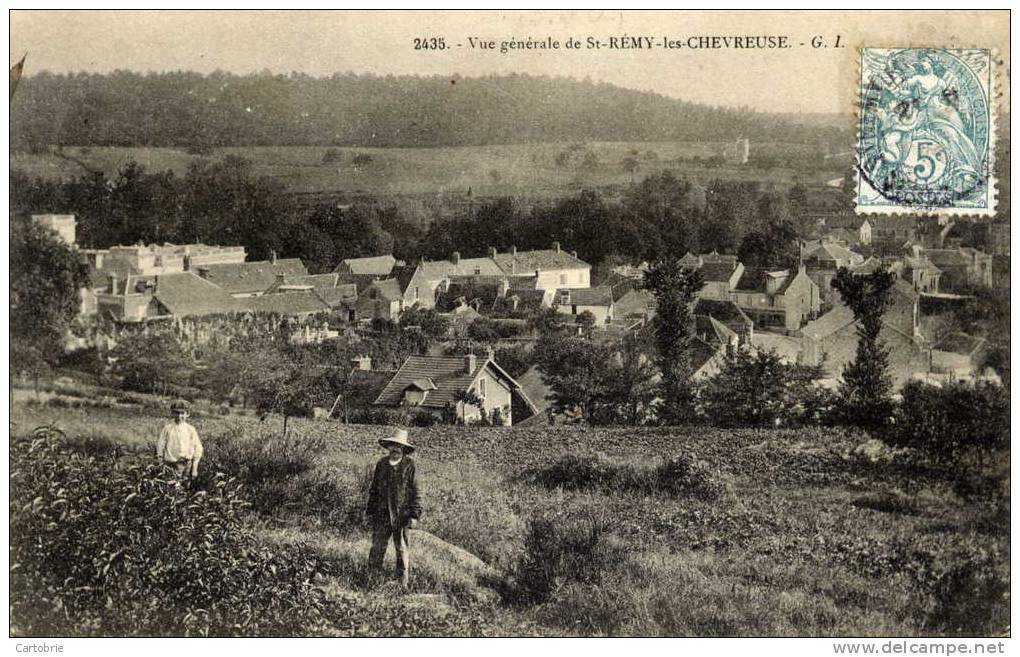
(393, 503)
(178, 446)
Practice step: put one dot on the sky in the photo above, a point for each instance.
(798, 79)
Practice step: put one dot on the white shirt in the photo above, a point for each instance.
(178, 442)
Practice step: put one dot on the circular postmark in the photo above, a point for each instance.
(924, 131)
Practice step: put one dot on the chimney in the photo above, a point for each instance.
(556, 247)
(272, 256)
(492, 252)
(513, 250)
(455, 257)
(114, 280)
(470, 362)
(573, 253)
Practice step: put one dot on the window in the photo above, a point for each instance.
(481, 388)
(563, 279)
(416, 294)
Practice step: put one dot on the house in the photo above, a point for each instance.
(147, 297)
(922, 274)
(437, 384)
(535, 389)
(383, 299)
(480, 292)
(148, 259)
(894, 231)
(421, 284)
(854, 229)
(822, 259)
(831, 340)
(637, 303)
(959, 355)
(596, 300)
(377, 266)
(961, 268)
(553, 268)
(729, 314)
(459, 318)
(250, 279)
(777, 298)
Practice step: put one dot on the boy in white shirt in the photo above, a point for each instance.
(178, 446)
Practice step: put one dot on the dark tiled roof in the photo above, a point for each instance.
(830, 252)
(523, 282)
(718, 271)
(360, 281)
(588, 296)
(303, 302)
(447, 373)
(388, 289)
(701, 352)
(754, 279)
(187, 295)
(534, 387)
(829, 323)
(543, 259)
(251, 277)
(724, 311)
(340, 295)
(960, 343)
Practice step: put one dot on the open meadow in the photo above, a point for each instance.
(539, 531)
(531, 170)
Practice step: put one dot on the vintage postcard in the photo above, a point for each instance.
(510, 324)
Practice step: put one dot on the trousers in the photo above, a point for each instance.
(381, 536)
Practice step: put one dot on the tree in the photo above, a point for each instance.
(46, 278)
(757, 389)
(675, 290)
(279, 380)
(865, 394)
(151, 362)
(575, 371)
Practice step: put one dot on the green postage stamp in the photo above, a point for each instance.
(926, 132)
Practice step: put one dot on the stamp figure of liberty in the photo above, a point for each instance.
(926, 132)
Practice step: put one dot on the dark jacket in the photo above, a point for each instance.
(393, 497)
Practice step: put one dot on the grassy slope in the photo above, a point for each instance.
(528, 169)
(795, 547)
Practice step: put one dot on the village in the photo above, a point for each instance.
(795, 313)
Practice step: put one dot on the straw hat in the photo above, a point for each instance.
(179, 406)
(398, 437)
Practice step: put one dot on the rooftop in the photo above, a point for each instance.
(251, 277)
(372, 266)
(448, 374)
(188, 295)
(960, 343)
(304, 302)
(527, 262)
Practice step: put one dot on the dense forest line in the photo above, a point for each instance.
(195, 111)
(225, 202)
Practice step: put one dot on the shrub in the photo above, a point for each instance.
(680, 476)
(947, 421)
(562, 548)
(100, 547)
(971, 596)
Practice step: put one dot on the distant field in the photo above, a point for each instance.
(528, 169)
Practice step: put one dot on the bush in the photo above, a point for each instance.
(100, 547)
(971, 597)
(680, 476)
(947, 421)
(562, 548)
